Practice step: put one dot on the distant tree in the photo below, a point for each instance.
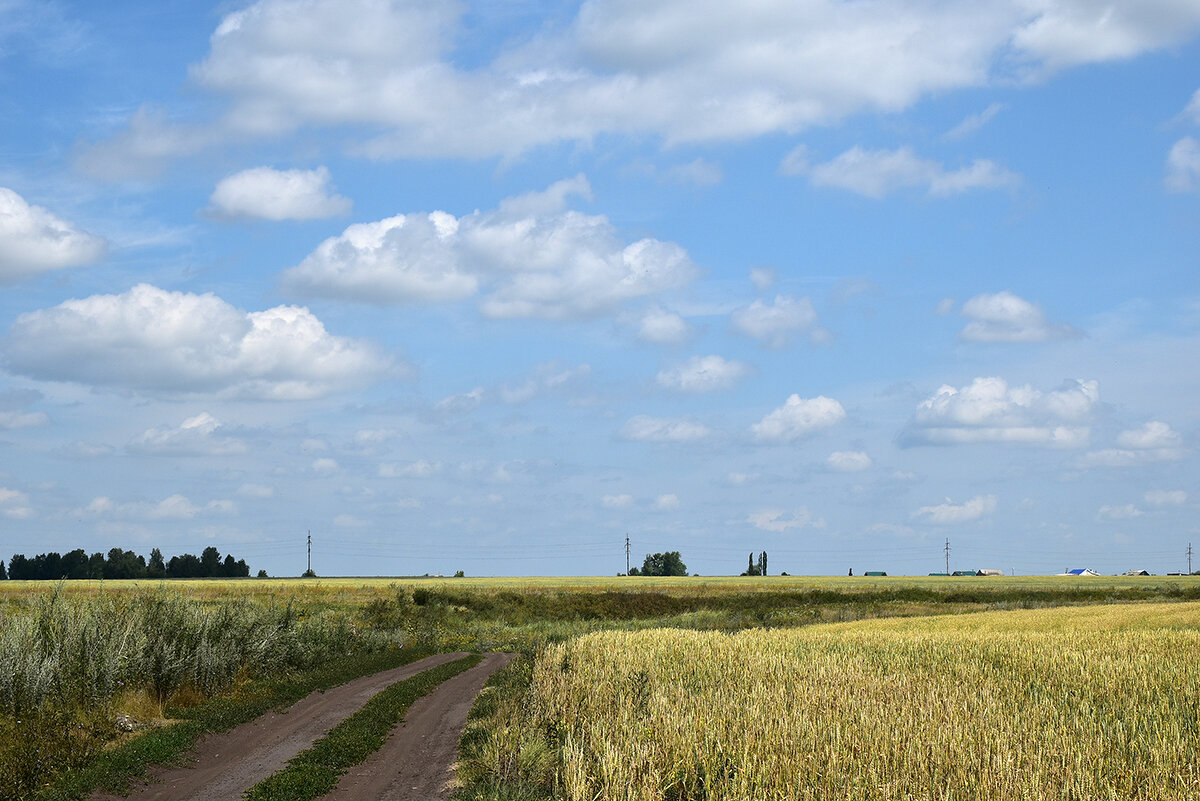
(633, 571)
(3, 572)
(663, 564)
(96, 566)
(229, 568)
(210, 562)
(310, 573)
(753, 569)
(185, 566)
(51, 566)
(459, 574)
(762, 563)
(262, 574)
(19, 568)
(156, 567)
(75, 564)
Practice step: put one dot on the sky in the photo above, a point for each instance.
(493, 285)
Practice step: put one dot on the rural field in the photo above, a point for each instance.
(628, 688)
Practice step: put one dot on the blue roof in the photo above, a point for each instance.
(1079, 571)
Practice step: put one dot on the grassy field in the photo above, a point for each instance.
(1075, 703)
(75, 655)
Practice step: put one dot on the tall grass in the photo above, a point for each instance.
(1080, 703)
(67, 664)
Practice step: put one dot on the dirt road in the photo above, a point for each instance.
(416, 761)
(223, 766)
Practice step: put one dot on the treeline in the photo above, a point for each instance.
(121, 564)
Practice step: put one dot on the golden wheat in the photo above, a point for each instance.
(1078, 703)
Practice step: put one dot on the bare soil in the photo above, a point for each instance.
(223, 766)
(416, 763)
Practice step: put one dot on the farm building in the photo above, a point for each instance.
(875, 573)
(990, 572)
(964, 573)
(1138, 573)
(1081, 572)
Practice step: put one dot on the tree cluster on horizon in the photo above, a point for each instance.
(121, 564)
(661, 564)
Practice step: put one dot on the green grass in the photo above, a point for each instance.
(315, 772)
(112, 770)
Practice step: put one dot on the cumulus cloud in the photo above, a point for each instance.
(34, 241)
(195, 436)
(533, 257)
(1005, 317)
(878, 173)
(798, 417)
(663, 429)
(949, 513)
(267, 194)
(1183, 166)
(418, 469)
(666, 503)
(1126, 512)
(15, 504)
(623, 501)
(777, 324)
(703, 374)
(848, 461)
(325, 466)
(775, 520)
(670, 69)
(174, 507)
(1166, 497)
(989, 410)
(155, 341)
(1154, 441)
(763, 278)
(661, 327)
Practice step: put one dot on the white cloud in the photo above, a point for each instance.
(989, 410)
(1193, 108)
(666, 503)
(878, 173)
(532, 256)
(799, 417)
(848, 461)
(763, 278)
(659, 429)
(349, 521)
(155, 341)
(260, 491)
(1154, 441)
(1154, 435)
(703, 374)
(545, 378)
(661, 327)
(623, 501)
(1183, 166)
(10, 420)
(417, 469)
(774, 520)
(325, 466)
(948, 513)
(268, 194)
(1005, 317)
(699, 173)
(1126, 512)
(1166, 497)
(174, 507)
(15, 504)
(974, 122)
(34, 241)
(672, 69)
(462, 403)
(777, 324)
(196, 436)
(944, 307)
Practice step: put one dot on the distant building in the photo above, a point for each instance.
(990, 572)
(939, 574)
(1138, 573)
(875, 573)
(964, 573)
(1082, 572)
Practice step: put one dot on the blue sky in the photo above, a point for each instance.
(491, 286)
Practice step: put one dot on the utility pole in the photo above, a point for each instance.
(627, 554)
(309, 553)
(1189, 556)
(947, 556)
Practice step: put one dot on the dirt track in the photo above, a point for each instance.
(223, 766)
(415, 763)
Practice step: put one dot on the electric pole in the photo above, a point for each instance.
(309, 553)
(947, 556)
(627, 554)
(1189, 556)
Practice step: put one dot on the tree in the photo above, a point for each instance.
(762, 563)
(663, 564)
(18, 568)
(751, 568)
(75, 564)
(3, 572)
(262, 574)
(210, 562)
(156, 568)
(633, 571)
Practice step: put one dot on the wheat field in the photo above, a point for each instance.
(1072, 703)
